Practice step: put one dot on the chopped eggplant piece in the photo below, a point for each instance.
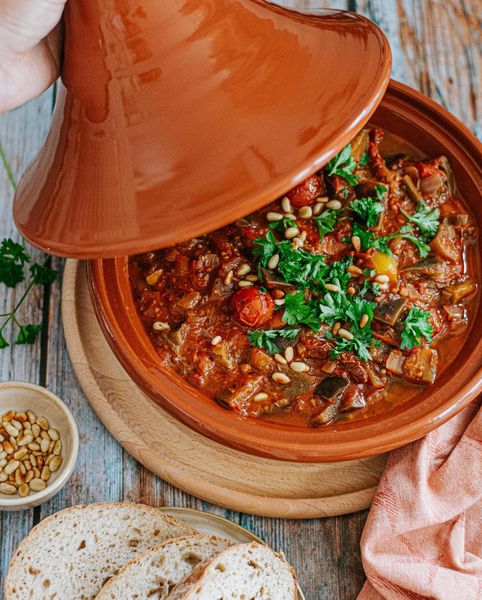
(389, 310)
(273, 280)
(353, 398)
(359, 144)
(410, 187)
(239, 397)
(300, 384)
(456, 220)
(420, 366)
(224, 355)
(262, 361)
(189, 300)
(395, 362)
(447, 243)
(332, 387)
(433, 267)
(327, 415)
(374, 378)
(456, 293)
(445, 166)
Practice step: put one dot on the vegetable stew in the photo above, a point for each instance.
(348, 295)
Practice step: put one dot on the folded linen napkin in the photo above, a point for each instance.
(423, 536)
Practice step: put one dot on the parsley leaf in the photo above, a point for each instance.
(43, 274)
(343, 165)
(407, 233)
(415, 327)
(362, 337)
(3, 341)
(266, 338)
(282, 224)
(366, 237)
(300, 267)
(298, 311)
(265, 248)
(326, 221)
(28, 333)
(367, 210)
(426, 219)
(380, 190)
(364, 159)
(12, 260)
(332, 308)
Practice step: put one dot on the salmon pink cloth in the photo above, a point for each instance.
(423, 536)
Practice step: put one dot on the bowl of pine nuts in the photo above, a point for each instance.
(39, 443)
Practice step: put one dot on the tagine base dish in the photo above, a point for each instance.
(188, 460)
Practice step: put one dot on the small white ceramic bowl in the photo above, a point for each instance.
(20, 397)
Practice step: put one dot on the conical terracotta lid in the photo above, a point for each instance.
(179, 116)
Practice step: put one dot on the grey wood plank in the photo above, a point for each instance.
(21, 133)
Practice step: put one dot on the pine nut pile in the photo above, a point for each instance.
(30, 451)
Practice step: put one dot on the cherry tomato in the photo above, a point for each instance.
(251, 307)
(305, 193)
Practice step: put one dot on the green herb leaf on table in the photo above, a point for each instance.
(43, 274)
(426, 219)
(28, 333)
(416, 327)
(266, 338)
(12, 260)
(367, 210)
(343, 165)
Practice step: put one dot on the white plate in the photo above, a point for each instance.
(214, 525)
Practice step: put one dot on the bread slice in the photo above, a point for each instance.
(155, 572)
(72, 554)
(251, 571)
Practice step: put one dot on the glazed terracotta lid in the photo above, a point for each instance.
(178, 117)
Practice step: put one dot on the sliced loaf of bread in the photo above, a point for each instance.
(73, 553)
(154, 573)
(251, 571)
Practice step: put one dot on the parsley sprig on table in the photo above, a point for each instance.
(266, 338)
(416, 327)
(14, 260)
(343, 165)
(426, 219)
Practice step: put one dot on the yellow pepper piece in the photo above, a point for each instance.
(385, 265)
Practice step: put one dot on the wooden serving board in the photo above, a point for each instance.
(188, 460)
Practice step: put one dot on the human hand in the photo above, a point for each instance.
(30, 48)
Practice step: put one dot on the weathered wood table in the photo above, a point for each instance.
(435, 49)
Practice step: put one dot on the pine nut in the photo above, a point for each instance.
(336, 328)
(3, 477)
(354, 270)
(26, 440)
(229, 278)
(160, 326)
(280, 378)
(273, 261)
(13, 431)
(273, 216)
(291, 232)
(289, 353)
(23, 490)
(243, 269)
(281, 359)
(363, 321)
(7, 488)
(251, 277)
(35, 430)
(244, 284)
(16, 424)
(334, 204)
(29, 476)
(57, 448)
(43, 423)
(55, 463)
(298, 367)
(382, 278)
(351, 291)
(332, 287)
(344, 333)
(34, 446)
(45, 475)
(286, 204)
(279, 301)
(261, 397)
(20, 453)
(305, 212)
(216, 340)
(53, 434)
(36, 485)
(44, 446)
(356, 243)
(31, 416)
(11, 467)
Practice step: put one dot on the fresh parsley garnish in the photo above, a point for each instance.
(326, 221)
(265, 248)
(299, 311)
(367, 210)
(381, 243)
(426, 219)
(380, 190)
(282, 224)
(12, 260)
(416, 327)
(364, 159)
(343, 165)
(266, 338)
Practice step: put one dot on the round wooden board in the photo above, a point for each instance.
(186, 459)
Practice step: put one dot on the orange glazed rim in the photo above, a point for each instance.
(404, 112)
